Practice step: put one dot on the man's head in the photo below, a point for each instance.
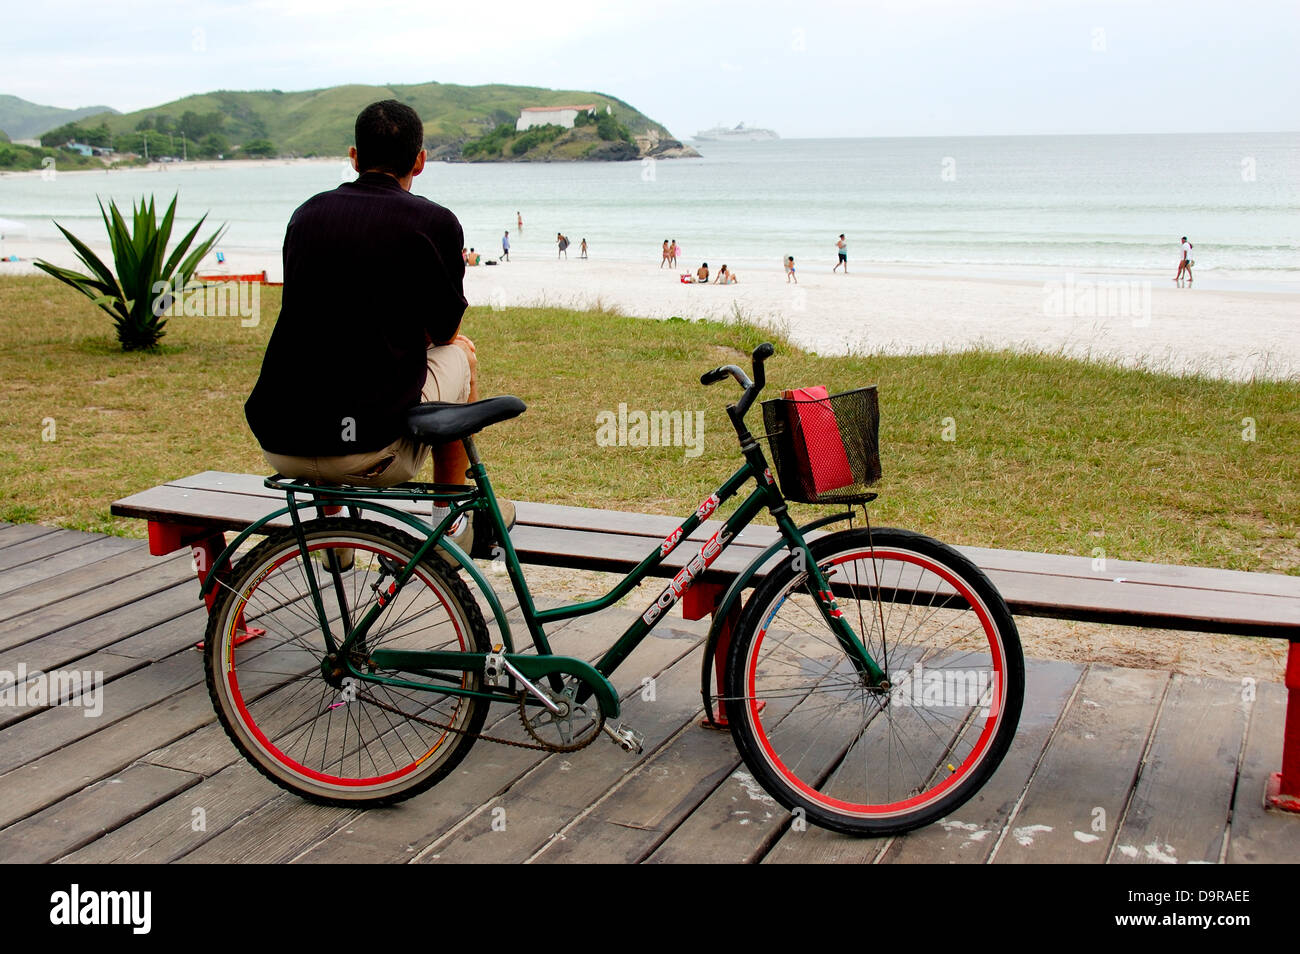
(389, 139)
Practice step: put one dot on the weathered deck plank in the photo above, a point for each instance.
(78, 820)
(1158, 755)
(1077, 797)
(1258, 835)
(1183, 799)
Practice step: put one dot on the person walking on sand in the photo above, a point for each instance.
(789, 270)
(505, 246)
(583, 249)
(675, 250)
(519, 221)
(562, 245)
(842, 247)
(1185, 263)
(668, 254)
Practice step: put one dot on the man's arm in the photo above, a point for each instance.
(442, 321)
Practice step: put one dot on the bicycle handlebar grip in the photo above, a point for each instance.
(761, 354)
(716, 375)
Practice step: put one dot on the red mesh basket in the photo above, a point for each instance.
(825, 449)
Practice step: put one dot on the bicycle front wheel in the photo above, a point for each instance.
(855, 758)
(343, 740)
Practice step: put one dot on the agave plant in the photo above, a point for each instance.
(146, 277)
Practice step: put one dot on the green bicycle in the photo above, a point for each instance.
(874, 679)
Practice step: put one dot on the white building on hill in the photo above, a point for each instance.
(564, 116)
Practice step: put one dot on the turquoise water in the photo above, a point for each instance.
(1001, 205)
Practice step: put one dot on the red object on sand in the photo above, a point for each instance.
(819, 444)
(256, 277)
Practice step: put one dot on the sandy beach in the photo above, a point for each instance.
(1139, 321)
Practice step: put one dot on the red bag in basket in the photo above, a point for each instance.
(819, 445)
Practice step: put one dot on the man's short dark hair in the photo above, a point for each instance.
(389, 135)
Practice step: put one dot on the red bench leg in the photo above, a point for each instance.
(1284, 787)
(205, 547)
(699, 601)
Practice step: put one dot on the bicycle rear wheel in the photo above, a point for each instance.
(868, 761)
(343, 741)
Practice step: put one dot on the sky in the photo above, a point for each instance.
(806, 69)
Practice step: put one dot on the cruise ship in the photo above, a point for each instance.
(741, 133)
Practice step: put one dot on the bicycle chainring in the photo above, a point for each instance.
(575, 727)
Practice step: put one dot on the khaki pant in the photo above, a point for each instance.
(447, 380)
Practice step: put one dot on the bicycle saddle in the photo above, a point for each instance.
(440, 422)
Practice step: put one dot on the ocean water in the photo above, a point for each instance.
(1010, 206)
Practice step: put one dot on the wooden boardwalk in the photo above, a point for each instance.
(1110, 765)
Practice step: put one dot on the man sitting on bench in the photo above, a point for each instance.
(369, 324)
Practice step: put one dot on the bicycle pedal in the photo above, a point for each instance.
(626, 738)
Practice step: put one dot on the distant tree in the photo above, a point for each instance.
(197, 127)
(144, 124)
(258, 147)
(97, 136)
(68, 132)
(213, 145)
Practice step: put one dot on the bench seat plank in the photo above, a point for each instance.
(1044, 585)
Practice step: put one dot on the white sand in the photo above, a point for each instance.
(1225, 333)
(1148, 323)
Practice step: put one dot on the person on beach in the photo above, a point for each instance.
(842, 247)
(562, 244)
(789, 270)
(519, 221)
(1185, 263)
(702, 274)
(724, 277)
(473, 257)
(667, 259)
(505, 246)
(675, 250)
(464, 255)
(369, 341)
(583, 248)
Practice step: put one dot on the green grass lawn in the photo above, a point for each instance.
(1049, 454)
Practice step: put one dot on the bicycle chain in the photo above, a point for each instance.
(452, 728)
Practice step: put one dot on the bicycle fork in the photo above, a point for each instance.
(819, 587)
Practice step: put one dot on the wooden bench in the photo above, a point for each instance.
(197, 512)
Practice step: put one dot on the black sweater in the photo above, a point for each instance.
(369, 270)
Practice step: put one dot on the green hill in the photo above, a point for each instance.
(319, 122)
(20, 119)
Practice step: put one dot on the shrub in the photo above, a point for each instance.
(610, 129)
(141, 289)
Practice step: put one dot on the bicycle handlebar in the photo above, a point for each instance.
(751, 388)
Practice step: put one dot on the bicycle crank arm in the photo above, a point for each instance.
(536, 668)
(626, 738)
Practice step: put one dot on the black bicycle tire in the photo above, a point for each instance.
(752, 618)
(232, 584)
